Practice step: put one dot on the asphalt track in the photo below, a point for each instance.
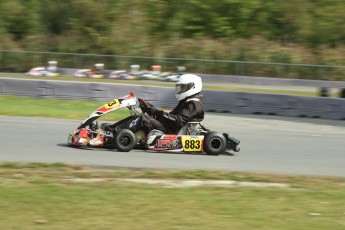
(269, 144)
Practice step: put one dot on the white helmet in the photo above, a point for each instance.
(188, 85)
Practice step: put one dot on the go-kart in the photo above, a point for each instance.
(50, 71)
(193, 137)
(124, 75)
(42, 72)
(88, 73)
(173, 76)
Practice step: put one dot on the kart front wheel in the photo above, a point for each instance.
(124, 140)
(214, 143)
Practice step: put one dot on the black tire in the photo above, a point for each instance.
(214, 143)
(124, 140)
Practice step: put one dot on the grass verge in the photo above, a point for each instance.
(43, 196)
(53, 108)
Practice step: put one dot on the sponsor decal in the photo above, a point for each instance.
(133, 123)
(167, 143)
(169, 117)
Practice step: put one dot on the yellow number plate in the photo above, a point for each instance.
(193, 144)
(112, 104)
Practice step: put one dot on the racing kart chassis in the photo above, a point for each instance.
(193, 137)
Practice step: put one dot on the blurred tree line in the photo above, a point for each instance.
(294, 31)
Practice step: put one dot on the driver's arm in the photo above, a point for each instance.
(188, 112)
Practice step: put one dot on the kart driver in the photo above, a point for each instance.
(189, 108)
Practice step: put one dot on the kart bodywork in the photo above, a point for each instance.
(193, 137)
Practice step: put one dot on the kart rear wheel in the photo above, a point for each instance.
(124, 140)
(214, 143)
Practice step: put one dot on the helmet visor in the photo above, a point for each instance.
(180, 88)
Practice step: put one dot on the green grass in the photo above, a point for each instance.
(53, 108)
(41, 196)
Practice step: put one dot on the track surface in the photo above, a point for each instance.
(268, 145)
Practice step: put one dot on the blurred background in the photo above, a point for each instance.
(302, 39)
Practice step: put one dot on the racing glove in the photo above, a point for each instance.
(147, 107)
(152, 111)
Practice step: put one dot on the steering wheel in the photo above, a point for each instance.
(143, 104)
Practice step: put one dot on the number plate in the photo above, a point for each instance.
(192, 144)
(112, 104)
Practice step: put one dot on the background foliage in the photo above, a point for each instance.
(294, 31)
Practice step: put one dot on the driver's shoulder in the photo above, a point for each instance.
(193, 99)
